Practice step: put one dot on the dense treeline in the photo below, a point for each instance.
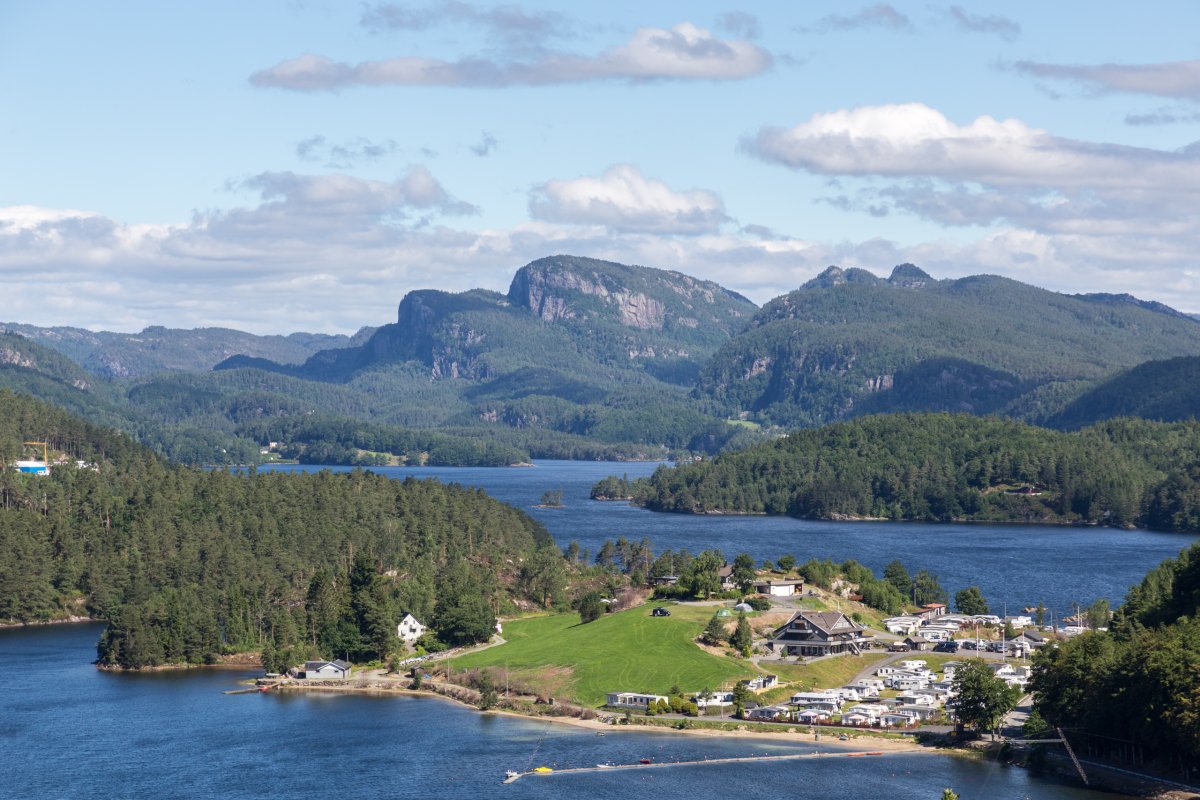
(187, 564)
(950, 467)
(1133, 692)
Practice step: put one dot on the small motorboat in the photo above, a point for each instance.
(542, 770)
(644, 761)
(512, 774)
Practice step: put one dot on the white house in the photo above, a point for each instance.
(714, 699)
(780, 588)
(634, 700)
(410, 629)
(807, 698)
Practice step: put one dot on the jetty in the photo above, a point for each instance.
(543, 772)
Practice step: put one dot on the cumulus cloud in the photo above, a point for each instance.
(1180, 79)
(916, 140)
(878, 16)
(1061, 213)
(625, 200)
(345, 195)
(343, 155)
(682, 52)
(1003, 27)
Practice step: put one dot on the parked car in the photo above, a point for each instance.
(946, 647)
(659, 611)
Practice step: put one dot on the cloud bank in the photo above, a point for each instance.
(682, 52)
(1179, 79)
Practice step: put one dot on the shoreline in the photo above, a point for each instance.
(46, 622)
(876, 742)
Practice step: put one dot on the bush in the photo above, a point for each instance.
(758, 603)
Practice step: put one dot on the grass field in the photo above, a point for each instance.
(629, 651)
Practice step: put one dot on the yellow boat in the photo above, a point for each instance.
(543, 770)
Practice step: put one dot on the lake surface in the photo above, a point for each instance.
(70, 731)
(1013, 565)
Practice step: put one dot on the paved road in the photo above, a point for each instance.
(1013, 724)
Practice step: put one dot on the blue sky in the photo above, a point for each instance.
(301, 165)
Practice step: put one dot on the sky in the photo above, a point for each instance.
(287, 166)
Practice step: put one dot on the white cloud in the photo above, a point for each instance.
(623, 199)
(682, 52)
(916, 140)
(1179, 79)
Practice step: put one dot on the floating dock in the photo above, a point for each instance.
(731, 760)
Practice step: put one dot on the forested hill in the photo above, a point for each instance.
(850, 343)
(581, 356)
(1162, 390)
(156, 349)
(950, 467)
(188, 564)
(1133, 692)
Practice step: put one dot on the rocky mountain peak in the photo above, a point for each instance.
(910, 276)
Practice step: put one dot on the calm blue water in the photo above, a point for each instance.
(70, 731)
(1013, 566)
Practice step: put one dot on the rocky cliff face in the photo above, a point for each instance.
(573, 288)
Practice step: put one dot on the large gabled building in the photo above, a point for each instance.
(817, 633)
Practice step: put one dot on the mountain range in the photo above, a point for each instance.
(583, 358)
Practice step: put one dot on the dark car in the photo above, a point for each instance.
(660, 612)
(946, 647)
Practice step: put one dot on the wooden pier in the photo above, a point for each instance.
(698, 762)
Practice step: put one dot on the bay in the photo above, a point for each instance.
(68, 730)
(1014, 566)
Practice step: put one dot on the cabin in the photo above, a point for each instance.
(634, 700)
(780, 588)
(410, 629)
(760, 683)
(818, 633)
(918, 643)
(768, 713)
(325, 671)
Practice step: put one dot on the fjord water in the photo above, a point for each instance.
(68, 730)
(1013, 565)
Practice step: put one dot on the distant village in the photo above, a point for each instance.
(897, 690)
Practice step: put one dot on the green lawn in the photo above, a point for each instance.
(629, 651)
